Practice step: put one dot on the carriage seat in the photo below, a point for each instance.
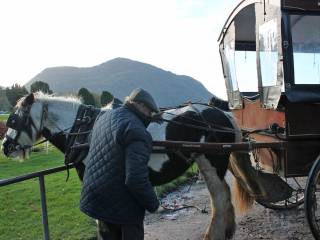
(303, 96)
(251, 96)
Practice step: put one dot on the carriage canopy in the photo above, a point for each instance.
(270, 49)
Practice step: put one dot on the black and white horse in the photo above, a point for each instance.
(39, 115)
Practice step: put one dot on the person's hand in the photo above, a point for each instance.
(157, 118)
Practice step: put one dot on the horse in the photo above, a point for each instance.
(59, 119)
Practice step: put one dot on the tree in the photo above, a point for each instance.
(4, 103)
(106, 97)
(86, 96)
(40, 86)
(15, 92)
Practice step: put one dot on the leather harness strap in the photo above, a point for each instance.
(79, 133)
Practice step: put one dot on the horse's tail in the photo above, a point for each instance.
(242, 199)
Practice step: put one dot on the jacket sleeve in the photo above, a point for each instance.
(138, 148)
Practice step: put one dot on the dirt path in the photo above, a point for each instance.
(191, 223)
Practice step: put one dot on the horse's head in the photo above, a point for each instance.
(24, 126)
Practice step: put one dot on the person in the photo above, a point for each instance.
(116, 187)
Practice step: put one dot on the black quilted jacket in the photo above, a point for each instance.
(116, 186)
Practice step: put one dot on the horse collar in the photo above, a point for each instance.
(80, 132)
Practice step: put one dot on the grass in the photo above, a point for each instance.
(20, 206)
(4, 117)
(169, 187)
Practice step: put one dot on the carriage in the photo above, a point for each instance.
(270, 54)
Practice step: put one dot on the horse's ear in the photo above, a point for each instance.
(29, 100)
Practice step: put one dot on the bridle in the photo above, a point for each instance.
(20, 122)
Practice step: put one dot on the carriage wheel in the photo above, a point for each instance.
(297, 198)
(312, 202)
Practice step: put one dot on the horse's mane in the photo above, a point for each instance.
(50, 97)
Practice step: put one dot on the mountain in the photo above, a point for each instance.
(120, 76)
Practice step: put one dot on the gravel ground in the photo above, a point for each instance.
(191, 223)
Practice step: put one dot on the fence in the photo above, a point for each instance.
(40, 175)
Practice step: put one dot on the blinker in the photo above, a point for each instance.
(14, 122)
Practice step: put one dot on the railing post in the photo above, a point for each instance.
(44, 208)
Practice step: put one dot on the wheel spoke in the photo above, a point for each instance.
(296, 181)
(313, 199)
(296, 198)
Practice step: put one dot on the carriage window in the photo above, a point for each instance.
(246, 70)
(229, 51)
(306, 48)
(268, 53)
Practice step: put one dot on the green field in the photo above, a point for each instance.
(4, 117)
(20, 206)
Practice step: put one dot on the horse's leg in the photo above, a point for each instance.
(222, 224)
(229, 213)
(244, 188)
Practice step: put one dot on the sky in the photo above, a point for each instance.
(176, 35)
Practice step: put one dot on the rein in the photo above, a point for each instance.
(64, 132)
(84, 120)
(77, 137)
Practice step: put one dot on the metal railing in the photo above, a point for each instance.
(40, 175)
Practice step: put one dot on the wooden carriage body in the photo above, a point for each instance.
(270, 54)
